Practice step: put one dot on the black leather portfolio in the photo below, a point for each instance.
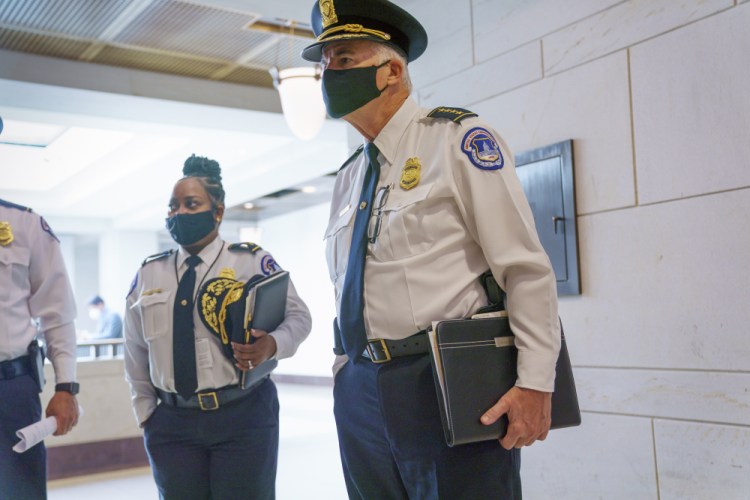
(265, 308)
(474, 364)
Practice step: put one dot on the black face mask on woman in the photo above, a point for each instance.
(186, 229)
(346, 90)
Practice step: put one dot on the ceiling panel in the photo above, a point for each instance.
(44, 45)
(155, 61)
(192, 29)
(81, 18)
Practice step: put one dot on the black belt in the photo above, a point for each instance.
(384, 350)
(208, 400)
(13, 368)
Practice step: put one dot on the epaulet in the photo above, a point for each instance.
(352, 157)
(452, 114)
(246, 247)
(8, 204)
(156, 256)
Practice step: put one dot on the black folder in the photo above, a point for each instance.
(474, 364)
(265, 308)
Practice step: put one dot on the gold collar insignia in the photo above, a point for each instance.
(6, 234)
(228, 272)
(410, 174)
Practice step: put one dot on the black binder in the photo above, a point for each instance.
(474, 364)
(265, 308)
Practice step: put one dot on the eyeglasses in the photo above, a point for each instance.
(373, 228)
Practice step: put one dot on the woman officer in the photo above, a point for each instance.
(205, 436)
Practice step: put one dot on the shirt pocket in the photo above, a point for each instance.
(406, 226)
(338, 238)
(156, 314)
(14, 270)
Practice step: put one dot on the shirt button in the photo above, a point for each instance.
(363, 205)
(183, 302)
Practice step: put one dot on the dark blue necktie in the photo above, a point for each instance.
(351, 320)
(183, 333)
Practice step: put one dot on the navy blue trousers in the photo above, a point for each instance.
(229, 453)
(23, 476)
(392, 443)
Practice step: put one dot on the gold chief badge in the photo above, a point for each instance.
(6, 235)
(410, 174)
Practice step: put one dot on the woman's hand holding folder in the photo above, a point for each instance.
(260, 347)
(529, 416)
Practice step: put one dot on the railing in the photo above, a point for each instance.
(100, 348)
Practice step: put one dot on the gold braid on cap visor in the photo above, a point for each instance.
(352, 30)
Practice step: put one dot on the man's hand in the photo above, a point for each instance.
(64, 407)
(248, 356)
(529, 416)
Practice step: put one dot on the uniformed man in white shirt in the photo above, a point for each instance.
(429, 204)
(206, 436)
(35, 297)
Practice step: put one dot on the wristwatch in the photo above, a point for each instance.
(71, 387)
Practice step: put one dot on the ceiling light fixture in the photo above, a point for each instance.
(301, 99)
(301, 95)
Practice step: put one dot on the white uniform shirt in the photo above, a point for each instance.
(148, 323)
(439, 236)
(34, 285)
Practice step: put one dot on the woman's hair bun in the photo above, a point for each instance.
(200, 166)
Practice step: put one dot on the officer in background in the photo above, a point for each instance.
(34, 286)
(206, 436)
(429, 204)
(108, 322)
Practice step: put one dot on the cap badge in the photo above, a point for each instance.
(410, 174)
(328, 11)
(6, 235)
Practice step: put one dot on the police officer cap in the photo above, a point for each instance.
(377, 20)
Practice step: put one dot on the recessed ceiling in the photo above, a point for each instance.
(130, 89)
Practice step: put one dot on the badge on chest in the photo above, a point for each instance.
(410, 173)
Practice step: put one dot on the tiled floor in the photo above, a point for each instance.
(309, 464)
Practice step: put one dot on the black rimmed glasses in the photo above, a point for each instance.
(373, 228)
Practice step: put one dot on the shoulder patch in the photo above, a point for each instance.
(352, 157)
(46, 228)
(8, 204)
(246, 247)
(452, 114)
(268, 265)
(482, 149)
(156, 256)
(132, 285)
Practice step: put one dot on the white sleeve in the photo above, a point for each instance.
(51, 300)
(137, 373)
(498, 217)
(296, 325)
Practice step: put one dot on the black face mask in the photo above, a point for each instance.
(345, 90)
(186, 229)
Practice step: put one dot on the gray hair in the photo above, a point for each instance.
(386, 52)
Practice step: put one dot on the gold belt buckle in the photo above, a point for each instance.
(212, 401)
(383, 346)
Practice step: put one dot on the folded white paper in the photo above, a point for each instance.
(33, 434)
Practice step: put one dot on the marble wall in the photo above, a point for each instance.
(654, 95)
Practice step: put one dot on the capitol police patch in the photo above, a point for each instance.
(268, 265)
(47, 229)
(482, 149)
